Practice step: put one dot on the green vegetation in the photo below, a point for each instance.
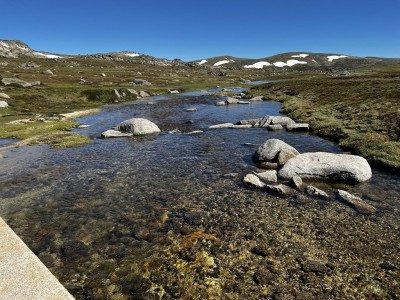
(360, 112)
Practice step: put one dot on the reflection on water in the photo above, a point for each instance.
(166, 216)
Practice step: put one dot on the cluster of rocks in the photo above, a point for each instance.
(131, 127)
(286, 163)
(272, 123)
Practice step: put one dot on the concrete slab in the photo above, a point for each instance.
(22, 275)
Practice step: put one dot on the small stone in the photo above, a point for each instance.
(261, 250)
(253, 180)
(144, 94)
(103, 75)
(231, 100)
(302, 200)
(298, 127)
(263, 276)
(48, 72)
(191, 109)
(4, 96)
(174, 92)
(281, 189)
(386, 265)
(257, 98)
(3, 104)
(296, 182)
(314, 266)
(316, 192)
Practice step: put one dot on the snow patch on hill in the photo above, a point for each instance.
(257, 65)
(332, 57)
(47, 55)
(303, 55)
(202, 62)
(132, 54)
(289, 63)
(222, 62)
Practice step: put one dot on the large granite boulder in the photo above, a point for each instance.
(138, 126)
(3, 104)
(328, 166)
(274, 150)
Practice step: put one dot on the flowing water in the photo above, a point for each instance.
(167, 216)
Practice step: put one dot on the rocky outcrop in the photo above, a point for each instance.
(328, 166)
(360, 205)
(276, 151)
(15, 82)
(138, 126)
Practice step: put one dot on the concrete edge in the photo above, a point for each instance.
(23, 275)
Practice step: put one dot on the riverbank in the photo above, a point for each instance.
(361, 113)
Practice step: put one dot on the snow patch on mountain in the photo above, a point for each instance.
(289, 63)
(47, 55)
(257, 65)
(222, 62)
(333, 57)
(303, 55)
(132, 54)
(202, 62)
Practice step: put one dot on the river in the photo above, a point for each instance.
(167, 216)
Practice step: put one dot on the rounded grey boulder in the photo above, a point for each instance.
(138, 126)
(328, 166)
(274, 150)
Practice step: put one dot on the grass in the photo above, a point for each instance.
(361, 113)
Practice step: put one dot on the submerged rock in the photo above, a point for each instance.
(220, 103)
(281, 189)
(360, 205)
(138, 126)
(231, 100)
(274, 150)
(275, 127)
(223, 125)
(328, 166)
(316, 192)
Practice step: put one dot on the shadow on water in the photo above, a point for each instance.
(93, 212)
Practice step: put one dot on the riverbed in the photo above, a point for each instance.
(168, 217)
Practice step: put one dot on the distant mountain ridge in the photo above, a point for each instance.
(296, 61)
(285, 61)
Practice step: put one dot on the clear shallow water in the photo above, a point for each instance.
(98, 214)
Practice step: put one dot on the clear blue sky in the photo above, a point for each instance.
(199, 29)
